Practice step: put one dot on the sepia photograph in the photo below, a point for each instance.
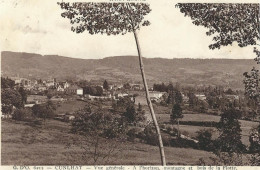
(129, 82)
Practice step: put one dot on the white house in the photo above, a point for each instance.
(79, 91)
(156, 95)
(60, 88)
(120, 95)
(201, 96)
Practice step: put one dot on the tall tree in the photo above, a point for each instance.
(252, 83)
(113, 19)
(132, 115)
(23, 94)
(105, 85)
(228, 23)
(176, 115)
(230, 132)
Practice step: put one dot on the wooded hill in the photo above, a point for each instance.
(226, 72)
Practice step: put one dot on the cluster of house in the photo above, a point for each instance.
(42, 85)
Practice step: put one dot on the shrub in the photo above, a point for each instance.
(166, 140)
(169, 129)
(132, 134)
(205, 139)
(163, 103)
(22, 115)
(150, 136)
(163, 126)
(185, 133)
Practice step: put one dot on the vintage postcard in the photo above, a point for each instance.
(130, 84)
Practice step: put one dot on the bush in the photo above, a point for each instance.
(23, 115)
(185, 133)
(132, 134)
(163, 126)
(171, 130)
(166, 140)
(150, 136)
(141, 136)
(163, 103)
(205, 140)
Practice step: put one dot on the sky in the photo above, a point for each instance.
(36, 26)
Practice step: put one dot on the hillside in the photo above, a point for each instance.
(126, 68)
(24, 144)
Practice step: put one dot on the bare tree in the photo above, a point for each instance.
(114, 19)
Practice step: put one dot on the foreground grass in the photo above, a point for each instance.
(23, 144)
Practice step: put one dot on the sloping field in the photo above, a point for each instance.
(46, 145)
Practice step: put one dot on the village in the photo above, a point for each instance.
(40, 91)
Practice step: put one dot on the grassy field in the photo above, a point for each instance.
(246, 126)
(31, 98)
(69, 106)
(23, 144)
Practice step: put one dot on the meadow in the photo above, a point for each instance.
(24, 144)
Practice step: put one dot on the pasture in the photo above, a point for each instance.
(23, 144)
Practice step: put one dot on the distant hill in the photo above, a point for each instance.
(226, 72)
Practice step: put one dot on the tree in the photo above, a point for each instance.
(126, 86)
(176, 115)
(105, 85)
(44, 111)
(254, 147)
(99, 91)
(228, 22)
(230, 132)
(7, 83)
(10, 98)
(132, 115)
(174, 96)
(252, 83)
(23, 94)
(193, 100)
(23, 114)
(121, 105)
(254, 140)
(205, 139)
(98, 127)
(178, 97)
(252, 87)
(113, 19)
